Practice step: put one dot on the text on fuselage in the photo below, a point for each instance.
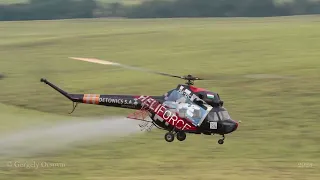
(163, 113)
(118, 101)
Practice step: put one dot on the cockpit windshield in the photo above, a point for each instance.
(219, 114)
(224, 115)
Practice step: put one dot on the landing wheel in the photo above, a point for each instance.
(181, 136)
(169, 136)
(221, 141)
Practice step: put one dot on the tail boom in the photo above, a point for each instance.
(120, 101)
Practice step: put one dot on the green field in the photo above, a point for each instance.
(279, 116)
(105, 1)
(109, 1)
(12, 1)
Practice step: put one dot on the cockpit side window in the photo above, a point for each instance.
(216, 118)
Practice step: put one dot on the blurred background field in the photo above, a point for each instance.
(280, 114)
(103, 1)
(68, 9)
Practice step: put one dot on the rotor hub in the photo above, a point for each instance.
(190, 79)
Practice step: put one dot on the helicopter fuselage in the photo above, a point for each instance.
(215, 120)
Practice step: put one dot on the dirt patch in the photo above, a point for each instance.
(1, 76)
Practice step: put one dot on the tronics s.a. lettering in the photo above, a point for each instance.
(109, 100)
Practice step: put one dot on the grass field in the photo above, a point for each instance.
(105, 1)
(280, 116)
(12, 1)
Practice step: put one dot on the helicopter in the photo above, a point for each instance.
(184, 109)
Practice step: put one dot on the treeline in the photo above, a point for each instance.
(64, 9)
(48, 9)
(224, 8)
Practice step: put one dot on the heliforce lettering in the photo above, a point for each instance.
(163, 114)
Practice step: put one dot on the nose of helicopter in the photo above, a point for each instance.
(230, 125)
(236, 125)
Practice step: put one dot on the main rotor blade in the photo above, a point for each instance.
(104, 62)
